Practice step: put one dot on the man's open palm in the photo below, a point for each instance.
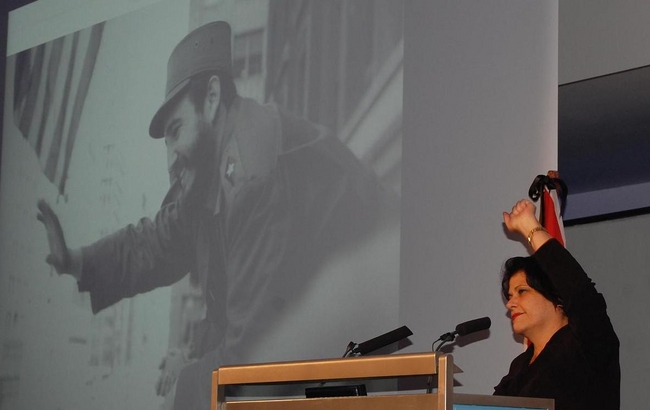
(59, 256)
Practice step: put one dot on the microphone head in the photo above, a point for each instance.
(472, 326)
(383, 340)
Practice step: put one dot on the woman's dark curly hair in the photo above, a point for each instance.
(535, 277)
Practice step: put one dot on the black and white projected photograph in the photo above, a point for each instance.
(193, 184)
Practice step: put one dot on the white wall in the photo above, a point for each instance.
(599, 37)
(480, 122)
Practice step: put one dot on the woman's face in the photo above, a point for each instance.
(530, 311)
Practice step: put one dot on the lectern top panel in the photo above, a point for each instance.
(331, 369)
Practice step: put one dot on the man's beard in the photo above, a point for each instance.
(192, 174)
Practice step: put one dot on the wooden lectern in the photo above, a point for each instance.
(358, 368)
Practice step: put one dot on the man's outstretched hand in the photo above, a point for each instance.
(59, 256)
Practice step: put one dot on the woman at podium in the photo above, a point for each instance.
(573, 352)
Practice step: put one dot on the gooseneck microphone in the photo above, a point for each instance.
(378, 342)
(463, 329)
(359, 349)
(472, 326)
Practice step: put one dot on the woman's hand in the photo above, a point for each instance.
(522, 219)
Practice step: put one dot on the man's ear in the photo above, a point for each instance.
(212, 98)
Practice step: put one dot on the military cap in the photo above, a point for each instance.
(204, 49)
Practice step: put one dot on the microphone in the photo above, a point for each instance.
(464, 329)
(381, 341)
(359, 349)
(472, 326)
